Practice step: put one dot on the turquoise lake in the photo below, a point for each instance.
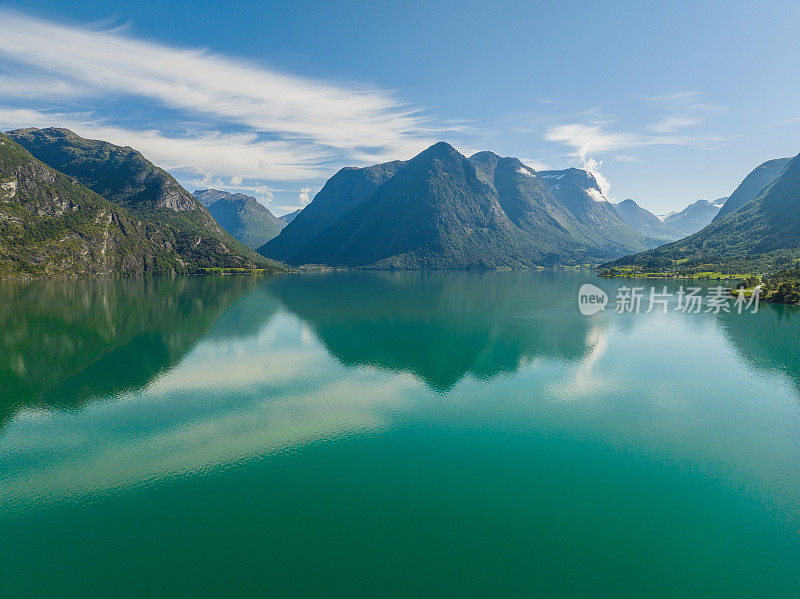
(408, 434)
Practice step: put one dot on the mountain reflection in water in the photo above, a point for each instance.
(67, 342)
(291, 432)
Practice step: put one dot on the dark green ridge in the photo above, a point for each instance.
(148, 193)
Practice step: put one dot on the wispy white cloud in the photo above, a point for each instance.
(706, 106)
(308, 122)
(591, 138)
(11, 118)
(587, 140)
(792, 120)
(240, 155)
(595, 139)
(260, 98)
(686, 100)
(671, 124)
(680, 96)
(37, 87)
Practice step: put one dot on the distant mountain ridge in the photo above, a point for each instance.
(287, 218)
(303, 240)
(579, 192)
(241, 215)
(443, 210)
(433, 212)
(71, 206)
(692, 218)
(645, 222)
(589, 224)
(208, 196)
(182, 227)
(760, 236)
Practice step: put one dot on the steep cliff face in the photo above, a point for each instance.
(175, 223)
(52, 226)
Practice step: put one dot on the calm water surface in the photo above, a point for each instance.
(392, 434)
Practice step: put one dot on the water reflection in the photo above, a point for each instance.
(769, 340)
(207, 373)
(292, 431)
(64, 343)
(441, 326)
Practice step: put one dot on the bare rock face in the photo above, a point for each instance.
(173, 199)
(8, 189)
(37, 188)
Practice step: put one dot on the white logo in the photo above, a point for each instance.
(591, 299)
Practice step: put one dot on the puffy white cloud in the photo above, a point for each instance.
(207, 181)
(597, 196)
(263, 194)
(304, 198)
(593, 166)
(588, 140)
(524, 171)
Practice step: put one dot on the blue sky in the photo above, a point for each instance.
(667, 102)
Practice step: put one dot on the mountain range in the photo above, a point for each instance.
(698, 215)
(146, 223)
(761, 235)
(287, 218)
(443, 210)
(694, 217)
(71, 206)
(645, 222)
(578, 191)
(241, 215)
